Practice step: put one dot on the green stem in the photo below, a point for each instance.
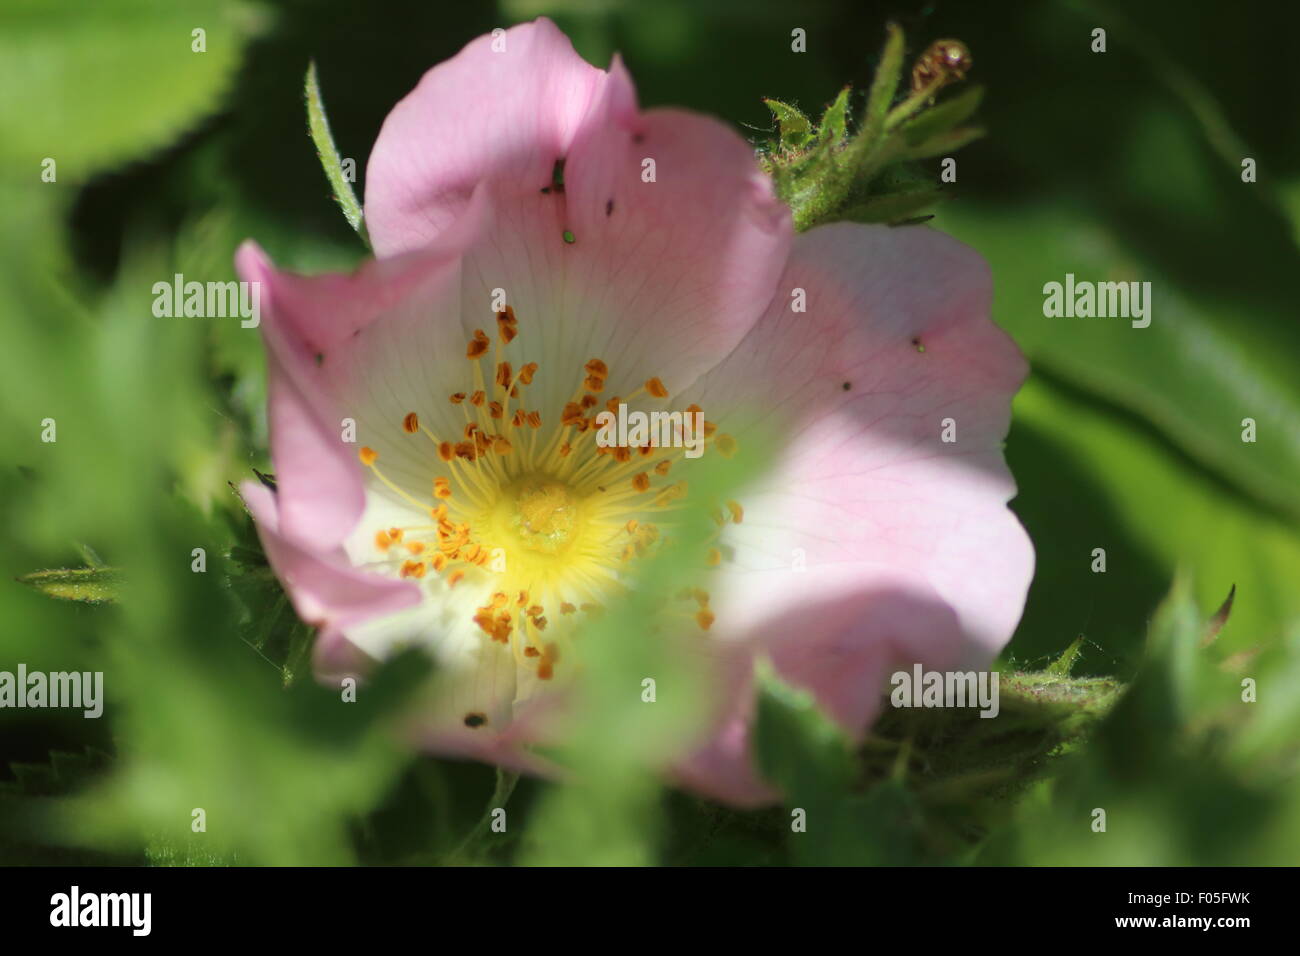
(330, 161)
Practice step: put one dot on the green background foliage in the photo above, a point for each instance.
(1122, 165)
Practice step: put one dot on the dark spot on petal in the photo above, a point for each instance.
(557, 175)
(918, 344)
(846, 386)
(320, 358)
(609, 207)
(475, 720)
(546, 190)
(638, 138)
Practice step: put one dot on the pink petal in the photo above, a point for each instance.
(662, 278)
(326, 591)
(865, 477)
(910, 554)
(310, 326)
(503, 117)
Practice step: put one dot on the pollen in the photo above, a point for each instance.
(368, 455)
(411, 423)
(478, 345)
(656, 388)
(507, 325)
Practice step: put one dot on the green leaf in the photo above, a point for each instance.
(834, 126)
(1186, 373)
(943, 143)
(795, 129)
(92, 84)
(943, 116)
(799, 749)
(1094, 477)
(893, 207)
(1062, 666)
(884, 85)
(88, 585)
(330, 160)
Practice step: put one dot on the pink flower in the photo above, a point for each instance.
(476, 514)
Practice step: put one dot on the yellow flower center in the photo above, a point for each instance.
(543, 514)
(551, 519)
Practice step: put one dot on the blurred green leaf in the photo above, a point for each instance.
(943, 116)
(1174, 772)
(1152, 511)
(1184, 373)
(92, 84)
(799, 749)
(88, 585)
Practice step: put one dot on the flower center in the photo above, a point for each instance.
(545, 515)
(548, 520)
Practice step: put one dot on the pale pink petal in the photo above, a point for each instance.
(669, 266)
(501, 116)
(832, 638)
(863, 476)
(315, 329)
(324, 587)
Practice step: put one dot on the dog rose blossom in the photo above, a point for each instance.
(545, 252)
